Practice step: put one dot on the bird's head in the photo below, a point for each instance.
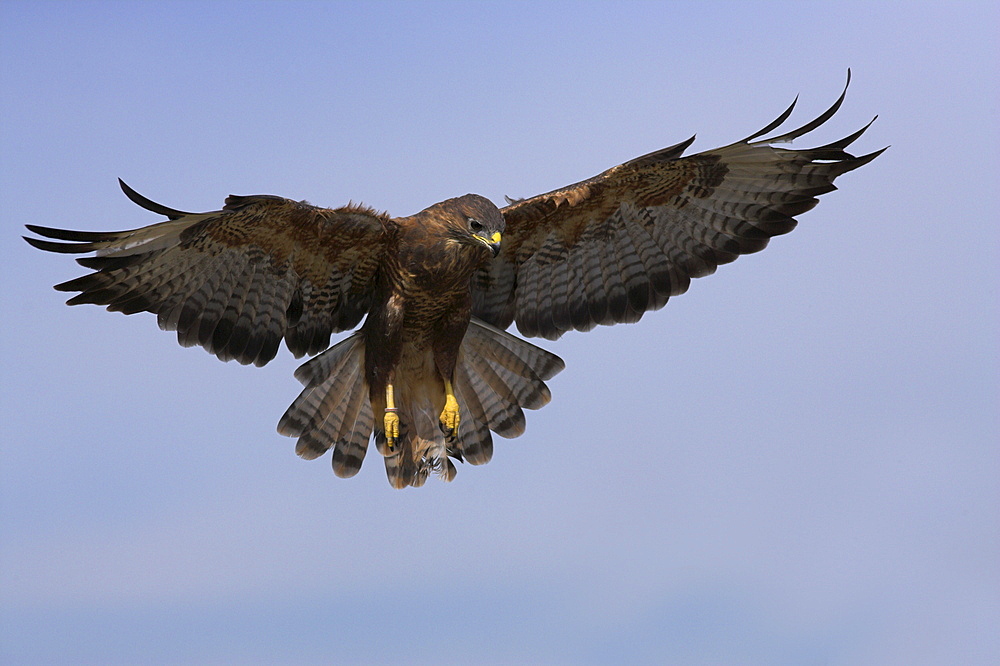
(474, 220)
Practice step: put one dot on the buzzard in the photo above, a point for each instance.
(432, 372)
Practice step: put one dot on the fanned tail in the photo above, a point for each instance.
(333, 409)
(496, 378)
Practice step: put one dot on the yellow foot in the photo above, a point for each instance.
(449, 416)
(391, 423)
(391, 419)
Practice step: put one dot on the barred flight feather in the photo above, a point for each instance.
(230, 280)
(497, 375)
(605, 250)
(700, 211)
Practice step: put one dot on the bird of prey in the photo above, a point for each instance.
(432, 371)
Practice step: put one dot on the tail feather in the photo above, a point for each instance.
(474, 442)
(333, 409)
(352, 440)
(504, 414)
(544, 364)
(497, 377)
(531, 394)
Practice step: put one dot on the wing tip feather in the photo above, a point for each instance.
(149, 204)
(804, 129)
(50, 246)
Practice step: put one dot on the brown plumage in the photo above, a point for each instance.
(431, 372)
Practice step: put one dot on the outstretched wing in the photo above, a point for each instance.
(238, 280)
(608, 249)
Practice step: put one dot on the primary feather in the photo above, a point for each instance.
(434, 295)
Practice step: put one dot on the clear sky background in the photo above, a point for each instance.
(794, 463)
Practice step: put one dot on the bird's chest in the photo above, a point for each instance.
(435, 269)
(423, 293)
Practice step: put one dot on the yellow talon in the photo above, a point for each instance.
(449, 416)
(391, 419)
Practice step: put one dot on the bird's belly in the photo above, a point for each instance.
(417, 379)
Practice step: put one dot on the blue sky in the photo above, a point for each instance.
(796, 462)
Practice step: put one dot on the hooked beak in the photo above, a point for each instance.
(493, 242)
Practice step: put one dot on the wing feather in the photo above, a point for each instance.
(596, 298)
(588, 272)
(654, 267)
(235, 281)
(246, 317)
(632, 271)
(609, 248)
(202, 292)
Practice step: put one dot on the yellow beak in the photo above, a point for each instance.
(493, 242)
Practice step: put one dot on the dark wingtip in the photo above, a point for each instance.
(150, 205)
(661, 155)
(865, 159)
(773, 124)
(847, 140)
(41, 231)
(35, 242)
(61, 248)
(69, 235)
(808, 127)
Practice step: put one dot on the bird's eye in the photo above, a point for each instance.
(475, 225)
